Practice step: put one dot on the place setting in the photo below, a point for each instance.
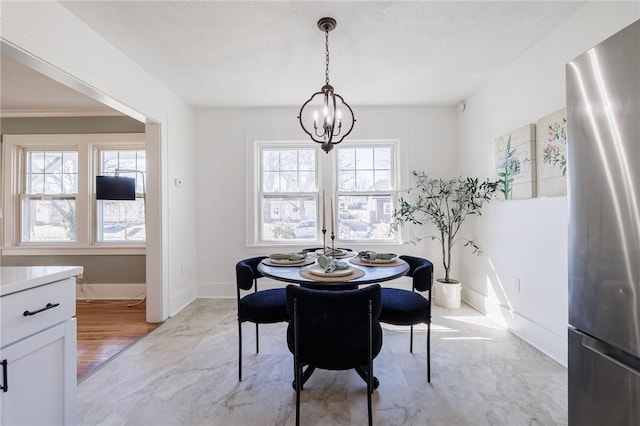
(336, 253)
(331, 269)
(372, 258)
(289, 259)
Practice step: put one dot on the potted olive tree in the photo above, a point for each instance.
(445, 204)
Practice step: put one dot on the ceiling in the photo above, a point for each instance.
(271, 53)
(22, 90)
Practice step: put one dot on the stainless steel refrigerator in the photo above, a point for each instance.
(603, 137)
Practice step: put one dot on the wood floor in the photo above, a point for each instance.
(105, 328)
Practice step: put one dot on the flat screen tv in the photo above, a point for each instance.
(115, 188)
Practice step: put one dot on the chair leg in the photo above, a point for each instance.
(370, 365)
(257, 346)
(411, 341)
(298, 378)
(429, 352)
(296, 361)
(239, 351)
(369, 392)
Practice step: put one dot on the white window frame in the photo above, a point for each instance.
(394, 144)
(97, 149)
(24, 196)
(259, 147)
(326, 179)
(85, 144)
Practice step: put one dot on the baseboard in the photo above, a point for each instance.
(88, 291)
(543, 339)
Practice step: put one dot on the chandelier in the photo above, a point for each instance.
(326, 117)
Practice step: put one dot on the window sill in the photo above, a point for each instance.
(73, 251)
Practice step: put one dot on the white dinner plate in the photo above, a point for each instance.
(319, 270)
(393, 259)
(286, 261)
(337, 253)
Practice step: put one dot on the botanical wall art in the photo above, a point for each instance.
(551, 149)
(516, 164)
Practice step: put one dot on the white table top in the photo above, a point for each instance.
(19, 278)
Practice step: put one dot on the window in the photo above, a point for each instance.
(49, 195)
(288, 193)
(121, 221)
(289, 179)
(365, 184)
(48, 198)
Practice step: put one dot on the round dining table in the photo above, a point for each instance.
(374, 273)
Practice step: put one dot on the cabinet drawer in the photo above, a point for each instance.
(15, 325)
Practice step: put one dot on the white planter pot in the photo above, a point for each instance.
(447, 295)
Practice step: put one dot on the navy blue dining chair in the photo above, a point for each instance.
(404, 307)
(259, 307)
(334, 330)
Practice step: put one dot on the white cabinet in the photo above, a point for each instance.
(38, 351)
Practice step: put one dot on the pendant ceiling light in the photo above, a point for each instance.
(326, 117)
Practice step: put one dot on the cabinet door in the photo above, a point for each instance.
(41, 378)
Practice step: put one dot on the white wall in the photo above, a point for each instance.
(528, 238)
(52, 40)
(428, 142)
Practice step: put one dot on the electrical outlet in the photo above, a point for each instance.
(516, 283)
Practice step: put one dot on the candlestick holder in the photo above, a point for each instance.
(324, 241)
(333, 247)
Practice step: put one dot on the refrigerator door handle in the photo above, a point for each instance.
(620, 358)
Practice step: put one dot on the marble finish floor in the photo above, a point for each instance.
(185, 372)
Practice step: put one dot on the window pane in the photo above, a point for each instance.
(346, 159)
(35, 184)
(48, 220)
(70, 162)
(52, 172)
(70, 183)
(270, 160)
(364, 158)
(365, 169)
(289, 160)
(307, 181)
(346, 181)
(289, 170)
(289, 218)
(307, 159)
(53, 184)
(121, 221)
(382, 180)
(289, 182)
(108, 161)
(382, 158)
(271, 182)
(364, 180)
(53, 162)
(364, 217)
(35, 162)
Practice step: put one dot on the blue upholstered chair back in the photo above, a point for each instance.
(334, 326)
(421, 270)
(247, 272)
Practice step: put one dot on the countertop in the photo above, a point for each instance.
(19, 278)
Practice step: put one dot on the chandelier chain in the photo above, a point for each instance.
(326, 45)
